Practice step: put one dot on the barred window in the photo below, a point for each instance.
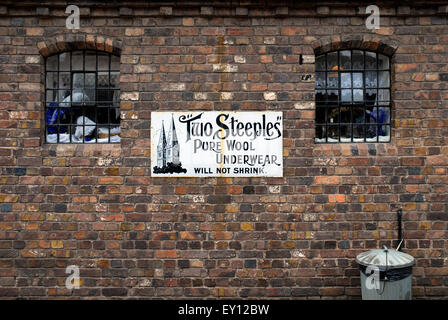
(352, 97)
(82, 97)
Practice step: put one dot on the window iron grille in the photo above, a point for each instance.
(82, 97)
(353, 93)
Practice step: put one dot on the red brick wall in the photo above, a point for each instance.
(96, 206)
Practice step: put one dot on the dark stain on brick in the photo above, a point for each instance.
(19, 171)
(248, 189)
(443, 76)
(60, 208)
(219, 199)
(345, 244)
(6, 207)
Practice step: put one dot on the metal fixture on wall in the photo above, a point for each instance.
(400, 236)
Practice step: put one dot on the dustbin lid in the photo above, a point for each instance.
(395, 259)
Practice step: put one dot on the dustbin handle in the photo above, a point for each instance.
(387, 267)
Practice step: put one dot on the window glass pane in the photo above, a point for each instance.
(371, 79)
(333, 133)
(320, 114)
(370, 60)
(333, 96)
(320, 96)
(51, 97)
(320, 79)
(358, 118)
(115, 63)
(103, 61)
(345, 57)
(52, 63)
(371, 132)
(103, 79)
(78, 97)
(384, 115)
(372, 115)
(103, 115)
(384, 79)
(383, 96)
(346, 95)
(357, 95)
(78, 80)
(116, 99)
(371, 96)
(332, 61)
(320, 63)
(90, 62)
(113, 115)
(115, 79)
(89, 130)
(89, 90)
(64, 98)
(332, 80)
(89, 80)
(73, 115)
(345, 114)
(116, 115)
(64, 80)
(64, 61)
(358, 60)
(384, 133)
(77, 60)
(383, 62)
(333, 115)
(52, 80)
(357, 80)
(346, 80)
(346, 133)
(320, 133)
(104, 96)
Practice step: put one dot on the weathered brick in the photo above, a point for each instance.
(111, 292)
(42, 11)
(295, 236)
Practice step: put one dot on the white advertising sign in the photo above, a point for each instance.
(217, 144)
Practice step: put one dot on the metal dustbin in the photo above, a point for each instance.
(386, 274)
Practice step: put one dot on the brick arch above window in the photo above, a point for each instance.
(70, 42)
(367, 42)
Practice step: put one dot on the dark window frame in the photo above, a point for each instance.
(96, 106)
(322, 129)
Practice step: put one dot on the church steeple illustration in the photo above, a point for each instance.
(161, 148)
(172, 148)
(168, 149)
